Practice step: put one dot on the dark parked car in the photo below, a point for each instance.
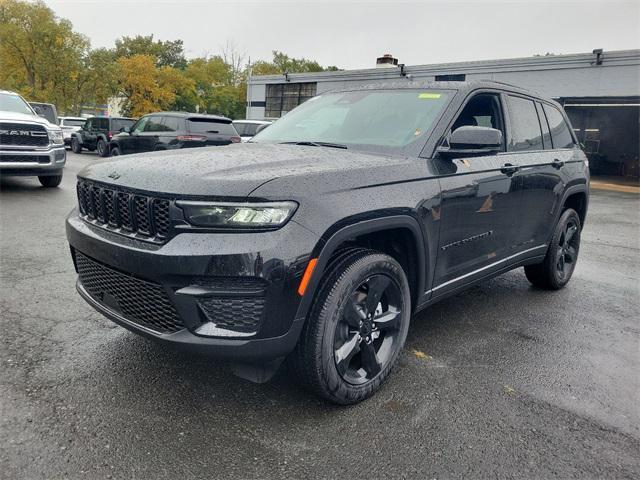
(97, 133)
(318, 239)
(174, 130)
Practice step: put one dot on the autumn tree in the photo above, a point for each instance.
(169, 53)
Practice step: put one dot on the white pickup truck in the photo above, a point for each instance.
(29, 144)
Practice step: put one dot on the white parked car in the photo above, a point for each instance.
(70, 125)
(248, 128)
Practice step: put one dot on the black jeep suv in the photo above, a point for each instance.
(317, 240)
(174, 130)
(96, 133)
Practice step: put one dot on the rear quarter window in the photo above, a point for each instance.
(560, 132)
(212, 127)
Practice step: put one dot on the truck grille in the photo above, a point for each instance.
(23, 135)
(25, 159)
(126, 212)
(139, 301)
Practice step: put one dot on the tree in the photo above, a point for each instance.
(168, 53)
(283, 63)
(38, 51)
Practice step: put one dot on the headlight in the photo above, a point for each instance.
(55, 136)
(238, 215)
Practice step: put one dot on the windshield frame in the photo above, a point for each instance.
(29, 107)
(412, 149)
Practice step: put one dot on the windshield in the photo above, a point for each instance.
(72, 122)
(14, 103)
(387, 120)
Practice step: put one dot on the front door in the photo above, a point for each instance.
(131, 143)
(480, 204)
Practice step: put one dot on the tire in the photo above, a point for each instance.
(114, 151)
(75, 145)
(103, 148)
(50, 181)
(344, 355)
(558, 265)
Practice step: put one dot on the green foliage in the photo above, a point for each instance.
(168, 53)
(45, 60)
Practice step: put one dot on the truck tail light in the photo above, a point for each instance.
(236, 139)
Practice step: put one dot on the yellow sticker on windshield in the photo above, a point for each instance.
(430, 95)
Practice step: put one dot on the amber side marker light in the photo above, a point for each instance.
(307, 276)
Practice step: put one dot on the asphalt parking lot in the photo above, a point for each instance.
(501, 381)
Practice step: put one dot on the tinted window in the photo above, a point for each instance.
(240, 128)
(525, 126)
(172, 124)
(205, 125)
(139, 126)
(154, 124)
(483, 110)
(118, 123)
(560, 133)
(101, 123)
(546, 136)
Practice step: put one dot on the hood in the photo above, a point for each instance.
(234, 170)
(23, 117)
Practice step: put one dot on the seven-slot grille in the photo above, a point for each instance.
(23, 135)
(139, 301)
(128, 212)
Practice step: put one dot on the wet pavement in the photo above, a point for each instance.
(502, 381)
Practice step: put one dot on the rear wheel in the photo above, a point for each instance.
(357, 327)
(103, 148)
(114, 151)
(75, 145)
(50, 181)
(556, 269)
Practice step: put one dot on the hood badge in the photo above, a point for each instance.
(114, 175)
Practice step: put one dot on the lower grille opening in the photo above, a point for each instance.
(139, 301)
(241, 314)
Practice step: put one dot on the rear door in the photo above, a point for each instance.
(480, 204)
(530, 144)
(216, 131)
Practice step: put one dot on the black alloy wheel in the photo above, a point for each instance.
(356, 328)
(557, 268)
(367, 332)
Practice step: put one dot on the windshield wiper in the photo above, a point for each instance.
(316, 144)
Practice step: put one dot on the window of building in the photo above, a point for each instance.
(456, 77)
(283, 97)
(560, 133)
(525, 126)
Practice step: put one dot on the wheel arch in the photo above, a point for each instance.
(576, 197)
(372, 230)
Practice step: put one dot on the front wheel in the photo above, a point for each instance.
(558, 265)
(75, 145)
(357, 327)
(50, 181)
(103, 148)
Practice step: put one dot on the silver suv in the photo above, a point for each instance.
(29, 144)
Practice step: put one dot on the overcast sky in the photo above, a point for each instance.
(351, 33)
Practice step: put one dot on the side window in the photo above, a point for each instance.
(139, 126)
(102, 124)
(171, 124)
(546, 135)
(560, 132)
(240, 128)
(87, 125)
(483, 110)
(525, 126)
(154, 124)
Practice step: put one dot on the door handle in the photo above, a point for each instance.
(509, 169)
(557, 163)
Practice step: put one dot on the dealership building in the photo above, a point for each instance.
(600, 92)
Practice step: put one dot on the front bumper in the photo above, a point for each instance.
(41, 162)
(233, 294)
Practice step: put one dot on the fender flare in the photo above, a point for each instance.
(580, 188)
(325, 249)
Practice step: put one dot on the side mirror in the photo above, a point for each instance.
(470, 140)
(125, 130)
